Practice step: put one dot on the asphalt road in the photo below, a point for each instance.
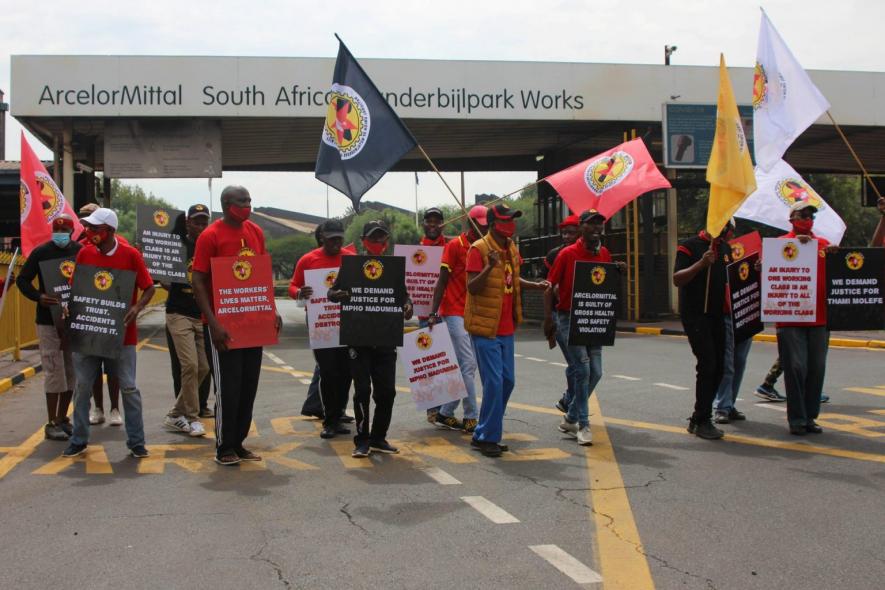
(648, 506)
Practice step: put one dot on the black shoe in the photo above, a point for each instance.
(384, 447)
(797, 430)
(692, 426)
(824, 398)
(707, 431)
(813, 428)
(74, 450)
(139, 452)
(247, 455)
(328, 431)
(477, 445)
(361, 450)
(341, 429)
(67, 427)
(54, 432)
(560, 405)
(736, 415)
(344, 418)
(490, 449)
(317, 415)
(721, 417)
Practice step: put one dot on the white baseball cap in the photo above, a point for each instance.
(102, 216)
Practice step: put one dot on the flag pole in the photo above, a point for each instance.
(454, 196)
(853, 153)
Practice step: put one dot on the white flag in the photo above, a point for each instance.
(777, 190)
(785, 100)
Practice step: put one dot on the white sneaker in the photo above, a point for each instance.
(197, 428)
(114, 418)
(178, 423)
(585, 438)
(569, 428)
(96, 416)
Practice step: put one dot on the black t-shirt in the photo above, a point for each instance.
(181, 298)
(691, 295)
(45, 251)
(550, 259)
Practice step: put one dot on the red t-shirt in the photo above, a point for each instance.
(125, 257)
(506, 325)
(222, 239)
(563, 271)
(310, 261)
(821, 315)
(454, 259)
(440, 241)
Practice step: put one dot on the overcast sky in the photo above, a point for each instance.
(843, 35)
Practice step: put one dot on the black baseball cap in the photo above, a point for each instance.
(434, 211)
(373, 226)
(197, 210)
(590, 214)
(503, 212)
(332, 228)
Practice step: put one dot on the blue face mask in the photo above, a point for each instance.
(61, 239)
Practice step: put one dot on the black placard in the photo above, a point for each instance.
(593, 320)
(377, 285)
(745, 287)
(165, 254)
(855, 289)
(100, 298)
(56, 275)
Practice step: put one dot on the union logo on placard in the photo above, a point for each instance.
(419, 257)
(790, 251)
(606, 172)
(737, 251)
(52, 201)
(103, 280)
(597, 275)
(792, 190)
(347, 122)
(66, 268)
(161, 218)
(24, 199)
(373, 269)
(854, 260)
(242, 269)
(424, 341)
(330, 278)
(744, 270)
(760, 86)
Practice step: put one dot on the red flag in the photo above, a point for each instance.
(608, 181)
(40, 202)
(745, 245)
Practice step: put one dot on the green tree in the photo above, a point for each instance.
(125, 200)
(287, 250)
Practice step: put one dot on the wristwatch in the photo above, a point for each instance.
(434, 315)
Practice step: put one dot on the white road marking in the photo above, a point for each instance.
(517, 355)
(494, 513)
(577, 571)
(440, 476)
(306, 381)
(558, 364)
(274, 358)
(537, 360)
(627, 377)
(770, 406)
(668, 386)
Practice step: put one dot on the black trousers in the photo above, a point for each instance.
(373, 369)
(236, 377)
(334, 382)
(206, 384)
(706, 335)
(803, 355)
(313, 405)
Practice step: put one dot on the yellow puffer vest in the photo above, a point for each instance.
(482, 312)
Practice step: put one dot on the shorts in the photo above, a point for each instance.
(58, 366)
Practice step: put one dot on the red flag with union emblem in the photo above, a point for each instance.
(40, 202)
(608, 181)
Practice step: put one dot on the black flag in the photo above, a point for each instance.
(362, 136)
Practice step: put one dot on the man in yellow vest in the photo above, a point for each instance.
(492, 312)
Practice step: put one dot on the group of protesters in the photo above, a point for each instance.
(477, 296)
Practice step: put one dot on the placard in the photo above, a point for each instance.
(431, 367)
(422, 272)
(855, 288)
(746, 297)
(374, 314)
(243, 301)
(56, 275)
(789, 280)
(100, 298)
(592, 321)
(323, 316)
(164, 252)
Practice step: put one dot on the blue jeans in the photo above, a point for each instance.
(88, 368)
(586, 365)
(494, 356)
(467, 361)
(734, 363)
(562, 342)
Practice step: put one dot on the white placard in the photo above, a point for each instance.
(422, 271)
(323, 316)
(789, 280)
(431, 367)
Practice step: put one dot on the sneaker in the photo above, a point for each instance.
(328, 432)
(477, 445)
(707, 431)
(449, 422)
(736, 415)
(384, 447)
(197, 429)
(96, 416)
(569, 428)
(247, 455)
(561, 405)
(432, 415)
(115, 418)
(470, 425)
(824, 398)
(228, 458)
(362, 449)
(584, 436)
(139, 452)
(721, 417)
(67, 426)
(490, 449)
(74, 450)
(769, 393)
(178, 423)
(207, 413)
(54, 432)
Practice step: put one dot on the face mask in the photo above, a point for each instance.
(505, 228)
(802, 226)
(240, 214)
(61, 239)
(375, 248)
(96, 237)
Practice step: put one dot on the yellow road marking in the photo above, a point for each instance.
(287, 371)
(878, 390)
(285, 426)
(853, 424)
(15, 455)
(546, 454)
(279, 454)
(441, 448)
(158, 460)
(209, 425)
(96, 461)
(343, 448)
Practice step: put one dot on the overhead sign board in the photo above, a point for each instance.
(689, 130)
(151, 148)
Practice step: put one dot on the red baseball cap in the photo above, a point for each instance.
(570, 220)
(63, 222)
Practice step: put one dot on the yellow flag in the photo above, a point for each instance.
(730, 169)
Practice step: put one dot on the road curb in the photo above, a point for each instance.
(8, 383)
(848, 342)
